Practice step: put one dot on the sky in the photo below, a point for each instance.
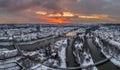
(59, 11)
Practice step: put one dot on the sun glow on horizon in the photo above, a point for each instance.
(57, 20)
(67, 16)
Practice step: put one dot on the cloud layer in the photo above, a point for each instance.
(27, 9)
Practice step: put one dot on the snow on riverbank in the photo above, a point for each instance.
(85, 60)
(117, 44)
(88, 63)
(114, 60)
(62, 53)
(41, 67)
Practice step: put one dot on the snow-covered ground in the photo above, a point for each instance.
(87, 63)
(5, 53)
(32, 33)
(62, 45)
(112, 37)
(108, 33)
(41, 67)
(47, 56)
(83, 56)
(111, 53)
(116, 44)
(8, 60)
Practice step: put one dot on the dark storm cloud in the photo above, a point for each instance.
(4, 3)
(53, 5)
(80, 6)
(14, 5)
(88, 6)
(110, 7)
(101, 6)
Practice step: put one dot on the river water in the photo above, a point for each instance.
(96, 55)
(70, 59)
